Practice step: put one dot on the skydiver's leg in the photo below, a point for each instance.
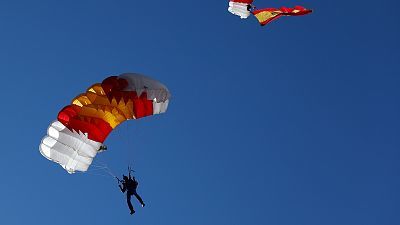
(128, 200)
(138, 198)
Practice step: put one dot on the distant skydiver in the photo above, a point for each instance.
(102, 148)
(129, 185)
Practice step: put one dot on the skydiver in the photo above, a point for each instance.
(250, 7)
(129, 184)
(102, 148)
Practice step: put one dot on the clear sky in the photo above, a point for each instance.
(295, 123)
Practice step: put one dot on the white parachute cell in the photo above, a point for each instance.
(141, 83)
(72, 150)
(239, 9)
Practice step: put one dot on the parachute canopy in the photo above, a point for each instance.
(244, 8)
(74, 139)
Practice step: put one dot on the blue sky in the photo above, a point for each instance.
(295, 123)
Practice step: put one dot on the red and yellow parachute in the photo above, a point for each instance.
(244, 9)
(74, 139)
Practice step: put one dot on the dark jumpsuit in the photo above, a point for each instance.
(130, 186)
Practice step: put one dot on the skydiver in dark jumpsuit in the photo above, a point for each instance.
(129, 184)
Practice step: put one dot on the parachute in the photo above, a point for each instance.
(244, 8)
(74, 139)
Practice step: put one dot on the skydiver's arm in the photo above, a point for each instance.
(123, 189)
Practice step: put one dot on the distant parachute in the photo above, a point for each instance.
(74, 139)
(244, 8)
